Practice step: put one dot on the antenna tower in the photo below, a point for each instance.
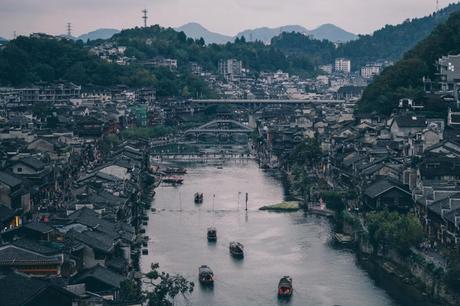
(144, 11)
(69, 29)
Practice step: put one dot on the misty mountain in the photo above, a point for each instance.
(3, 40)
(266, 34)
(98, 34)
(327, 31)
(332, 33)
(196, 31)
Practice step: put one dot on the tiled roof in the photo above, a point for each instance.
(13, 255)
(383, 186)
(9, 180)
(101, 274)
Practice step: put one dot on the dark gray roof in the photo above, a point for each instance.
(39, 227)
(408, 121)
(6, 213)
(18, 289)
(13, 255)
(100, 273)
(38, 247)
(383, 186)
(95, 240)
(33, 163)
(9, 179)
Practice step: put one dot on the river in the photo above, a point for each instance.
(276, 244)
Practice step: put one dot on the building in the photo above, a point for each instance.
(342, 65)
(327, 68)
(449, 73)
(230, 68)
(371, 70)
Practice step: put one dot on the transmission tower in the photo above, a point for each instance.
(144, 11)
(69, 29)
(437, 5)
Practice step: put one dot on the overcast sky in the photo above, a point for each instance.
(223, 16)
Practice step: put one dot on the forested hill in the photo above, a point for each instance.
(391, 42)
(388, 43)
(404, 79)
(145, 43)
(27, 60)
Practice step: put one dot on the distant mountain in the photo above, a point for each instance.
(3, 40)
(98, 34)
(266, 34)
(326, 31)
(404, 79)
(196, 31)
(332, 33)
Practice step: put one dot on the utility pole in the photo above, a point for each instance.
(69, 29)
(144, 16)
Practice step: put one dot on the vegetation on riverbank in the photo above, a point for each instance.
(290, 206)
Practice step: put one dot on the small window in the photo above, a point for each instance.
(19, 169)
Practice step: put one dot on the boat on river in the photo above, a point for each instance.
(205, 275)
(180, 171)
(285, 287)
(174, 180)
(198, 197)
(236, 249)
(212, 234)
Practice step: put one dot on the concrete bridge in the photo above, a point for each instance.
(262, 102)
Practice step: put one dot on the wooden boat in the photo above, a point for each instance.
(343, 239)
(175, 170)
(212, 234)
(205, 275)
(236, 249)
(198, 198)
(285, 287)
(173, 180)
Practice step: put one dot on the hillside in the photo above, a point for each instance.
(392, 41)
(98, 34)
(144, 43)
(266, 34)
(197, 31)
(27, 60)
(332, 33)
(404, 79)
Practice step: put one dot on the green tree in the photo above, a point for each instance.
(394, 231)
(130, 291)
(166, 287)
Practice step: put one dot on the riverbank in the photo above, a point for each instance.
(292, 244)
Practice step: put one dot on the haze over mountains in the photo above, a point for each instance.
(99, 34)
(265, 34)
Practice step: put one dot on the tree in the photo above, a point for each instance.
(130, 291)
(166, 287)
(394, 231)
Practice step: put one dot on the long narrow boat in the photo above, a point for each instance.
(205, 275)
(175, 171)
(173, 180)
(285, 287)
(236, 249)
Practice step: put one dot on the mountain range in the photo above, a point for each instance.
(98, 34)
(327, 31)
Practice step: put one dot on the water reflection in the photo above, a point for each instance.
(275, 244)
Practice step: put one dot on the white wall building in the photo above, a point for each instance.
(342, 65)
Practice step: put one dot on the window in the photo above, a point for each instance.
(19, 169)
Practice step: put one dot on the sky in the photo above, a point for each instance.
(222, 16)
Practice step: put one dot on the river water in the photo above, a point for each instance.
(276, 244)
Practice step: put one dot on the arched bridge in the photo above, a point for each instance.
(221, 130)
